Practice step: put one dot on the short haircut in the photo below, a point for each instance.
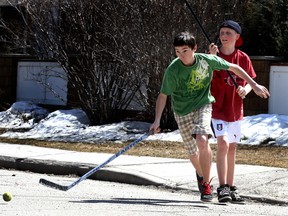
(184, 38)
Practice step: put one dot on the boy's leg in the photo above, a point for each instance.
(222, 159)
(194, 158)
(227, 135)
(234, 138)
(234, 131)
(231, 157)
(201, 132)
(205, 156)
(221, 130)
(223, 191)
(185, 125)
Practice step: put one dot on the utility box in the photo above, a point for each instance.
(278, 100)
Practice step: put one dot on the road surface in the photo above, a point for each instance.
(92, 197)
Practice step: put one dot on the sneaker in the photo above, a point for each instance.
(235, 194)
(200, 182)
(206, 194)
(223, 193)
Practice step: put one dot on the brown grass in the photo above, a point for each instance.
(273, 156)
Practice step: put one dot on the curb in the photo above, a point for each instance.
(69, 168)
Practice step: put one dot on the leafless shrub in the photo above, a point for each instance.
(115, 52)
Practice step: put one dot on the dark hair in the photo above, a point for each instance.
(184, 38)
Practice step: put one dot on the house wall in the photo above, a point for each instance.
(253, 104)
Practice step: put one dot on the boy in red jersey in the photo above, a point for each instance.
(227, 111)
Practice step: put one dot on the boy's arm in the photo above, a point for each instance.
(260, 90)
(160, 105)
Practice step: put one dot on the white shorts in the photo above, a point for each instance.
(230, 129)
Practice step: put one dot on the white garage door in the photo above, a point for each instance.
(278, 101)
(42, 83)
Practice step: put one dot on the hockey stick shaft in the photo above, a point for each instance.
(85, 176)
(207, 37)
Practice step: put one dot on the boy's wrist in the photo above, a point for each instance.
(157, 121)
(253, 84)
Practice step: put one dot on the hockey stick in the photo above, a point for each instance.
(206, 35)
(85, 176)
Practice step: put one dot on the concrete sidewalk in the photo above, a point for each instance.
(260, 183)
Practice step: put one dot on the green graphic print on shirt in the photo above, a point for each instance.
(197, 77)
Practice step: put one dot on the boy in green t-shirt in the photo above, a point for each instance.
(187, 80)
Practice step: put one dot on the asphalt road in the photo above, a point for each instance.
(92, 197)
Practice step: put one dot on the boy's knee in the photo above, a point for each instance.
(232, 147)
(222, 144)
(202, 140)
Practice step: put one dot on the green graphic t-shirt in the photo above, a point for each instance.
(189, 86)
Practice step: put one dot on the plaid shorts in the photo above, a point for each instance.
(196, 122)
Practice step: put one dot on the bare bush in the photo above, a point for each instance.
(115, 52)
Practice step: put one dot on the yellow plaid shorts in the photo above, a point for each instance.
(196, 122)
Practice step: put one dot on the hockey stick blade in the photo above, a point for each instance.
(53, 185)
(95, 169)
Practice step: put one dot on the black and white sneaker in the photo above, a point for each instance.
(235, 195)
(223, 193)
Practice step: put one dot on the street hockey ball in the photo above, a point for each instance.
(7, 196)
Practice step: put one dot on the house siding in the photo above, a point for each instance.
(253, 104)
